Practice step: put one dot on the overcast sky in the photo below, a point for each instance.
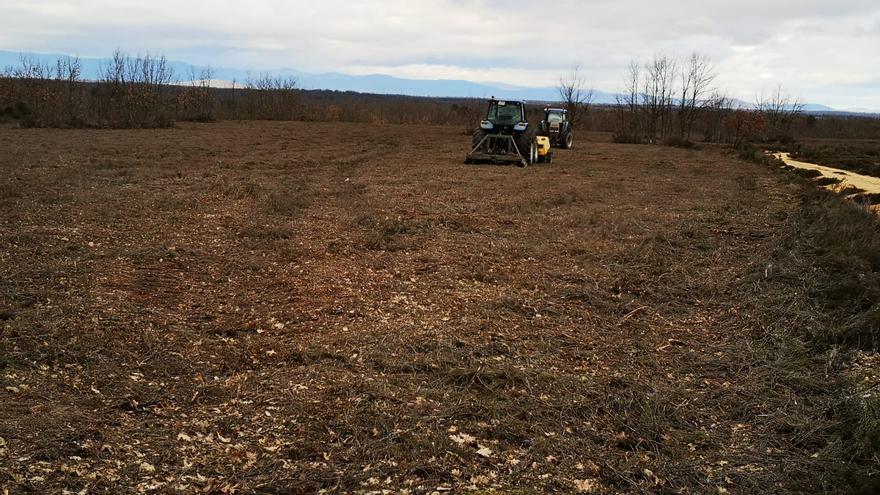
(821, 51)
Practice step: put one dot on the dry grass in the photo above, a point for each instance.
(271, 308)
(859, 155)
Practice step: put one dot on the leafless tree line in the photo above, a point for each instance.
(269, 97)
(129, 92)
(144, 91)
(44, 89)
(136, 91)
(669, 99)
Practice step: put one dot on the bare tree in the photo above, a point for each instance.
(718, 107)
(743, 126)
(67, 73)
(138, 90)
(196, 101)
(629, 104)
(658, 95)
(32, 74)
(272, 97)
(575, 95)
(234, 101)
(696, 77)
(47, 91)
(779, 110)
(113, 73)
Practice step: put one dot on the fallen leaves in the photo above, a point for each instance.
(653, 478)
(484, 451)
(462, 439)
(586, 486)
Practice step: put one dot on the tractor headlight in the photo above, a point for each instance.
(521, 126)
(486, 125)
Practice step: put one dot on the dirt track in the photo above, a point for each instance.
(285, 307)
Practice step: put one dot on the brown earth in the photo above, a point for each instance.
(290, 307)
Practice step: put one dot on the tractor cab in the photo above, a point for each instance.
(554, 115)
(505, 117)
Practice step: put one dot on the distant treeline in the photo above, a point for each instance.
(673, 100)
(666, 101)
(144, 92)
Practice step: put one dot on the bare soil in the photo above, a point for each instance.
(294, 307)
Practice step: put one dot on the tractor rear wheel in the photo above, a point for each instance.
(568, 140)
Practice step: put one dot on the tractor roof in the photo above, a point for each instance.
(507, 101)
(553, 109)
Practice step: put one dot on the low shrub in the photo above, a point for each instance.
(679, 142)
(624, 138)
(827, 181)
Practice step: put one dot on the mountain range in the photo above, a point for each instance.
(374, 83)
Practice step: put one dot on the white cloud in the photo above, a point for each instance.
(823, 51)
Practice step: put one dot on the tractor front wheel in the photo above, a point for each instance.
(527, 143)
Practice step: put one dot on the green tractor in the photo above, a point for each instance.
(505, 137)
(557, 127)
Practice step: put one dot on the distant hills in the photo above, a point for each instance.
(375, 83)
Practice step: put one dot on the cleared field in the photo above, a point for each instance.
(289, 307)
